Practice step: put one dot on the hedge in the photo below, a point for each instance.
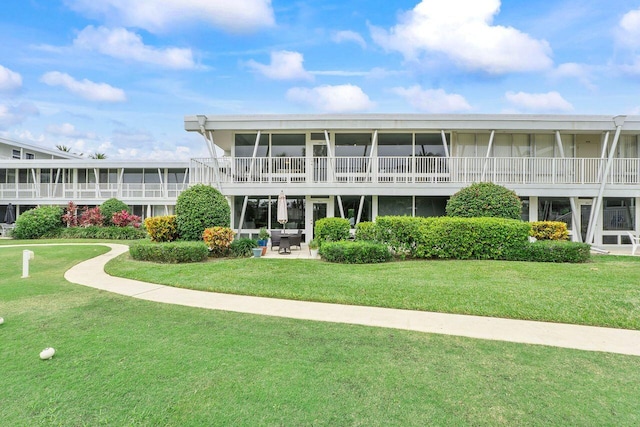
(554, 251)
(243, 247)
(400, 233)
(169, 252)
(360, 252)
(549, 230)
(472, 238)
(98, 232)
(366, 231)
(39, 222)
(332, 229)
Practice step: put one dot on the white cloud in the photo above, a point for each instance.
(432, 100)
(85, 88)
(628, 31)
(349, 36)
(68, 130)
(163, 15)
(538, 102)
(462, 31)
(15, 114)
(284, 65)
(331, 99)
(9, 80)
(571, 70)
(123, 44)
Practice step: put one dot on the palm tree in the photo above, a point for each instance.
(63, 148)
(98, 156)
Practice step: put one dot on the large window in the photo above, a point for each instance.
(618, 213)
(351, 205)
(395, 144)
(431, 206)
(353, 144)
(430, 145)
(395, 205)
(246, 142)
(555, 209)
(287, 145)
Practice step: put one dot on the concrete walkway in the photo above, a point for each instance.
(91, 273)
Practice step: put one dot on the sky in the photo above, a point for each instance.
(118, 76)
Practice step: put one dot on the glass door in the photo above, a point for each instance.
(585, 215)
(319, 211)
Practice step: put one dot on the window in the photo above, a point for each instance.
(555, 209)
(16, 154)
(430, 145)
(395, 144)
(245, 143)
(395, 205)
(29, 156)
(618, 213)
(350, 206)
(431, 206)
(353, 144)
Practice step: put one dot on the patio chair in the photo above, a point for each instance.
(275, 238)
(296, 239)
(635, 242)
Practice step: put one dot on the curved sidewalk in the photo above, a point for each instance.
(91, 273)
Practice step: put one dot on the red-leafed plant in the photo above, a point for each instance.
(125, 219)
(91, 217)
(70, 216)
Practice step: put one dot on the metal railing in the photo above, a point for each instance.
(383, 170)
(73, 191)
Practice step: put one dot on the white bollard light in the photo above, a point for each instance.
(26, 257)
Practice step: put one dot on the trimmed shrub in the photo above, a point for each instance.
(243, 247)
(162, 228)
(100, 232)
(218, 240)
(400, 233)
(472, 238)
(554, 251)
(169, 252)
(348, 252)
(200, 207)
(38, 222)
(332, 229)
(111, 206)
(91, 216)
(485, 199)
(125, 219)
(549, 230)
(366, 231)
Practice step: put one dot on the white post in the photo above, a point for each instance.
(486, 159)
(26, 256)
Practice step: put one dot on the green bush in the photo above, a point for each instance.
(554, 251)
(332, 229)
(169, 252)
(162, 228)
(549, 230)
(366, 231)
(472, 238)
(243, 247)
(111, 206)
(400, 233)
(200, 207)
(485, 199)
(38, 222)
(348, 252)
(99, 232)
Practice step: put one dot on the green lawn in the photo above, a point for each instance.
(605, 292)
(122, 361)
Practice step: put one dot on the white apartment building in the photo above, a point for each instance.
(583, 170)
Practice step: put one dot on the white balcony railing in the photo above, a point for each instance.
(71, 191)
(389, 170)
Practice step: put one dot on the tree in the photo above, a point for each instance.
(198, 208)
(63, 148)
(98, 156)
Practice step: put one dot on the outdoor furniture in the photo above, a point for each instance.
(296, 239)
(275, 238)
(635, 242)
(285, 244)
(6, 228)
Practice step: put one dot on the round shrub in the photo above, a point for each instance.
(332, 229)
(200, 207)
(347, 252)
(485, 199)
(38, 222)
(169, 252)
(111, 206)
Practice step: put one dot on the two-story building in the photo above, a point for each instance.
(583, 170)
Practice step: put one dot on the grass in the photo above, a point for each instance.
(122, 361)
(605, 292)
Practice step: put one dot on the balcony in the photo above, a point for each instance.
(65, 192)
(381, 171)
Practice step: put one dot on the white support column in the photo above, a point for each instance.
(163, 187)
(36, 184)
(486, 159)
(360, 206)
(330, 159)
(340, 206)
(372, 155)
(619, 122)
(253, 156)
(573, 201)
(444, 143)
(96, 174)
(120, 181)
(242, 214)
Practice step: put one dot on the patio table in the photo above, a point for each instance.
(285, 245)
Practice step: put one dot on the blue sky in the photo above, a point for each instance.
(118, 76)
